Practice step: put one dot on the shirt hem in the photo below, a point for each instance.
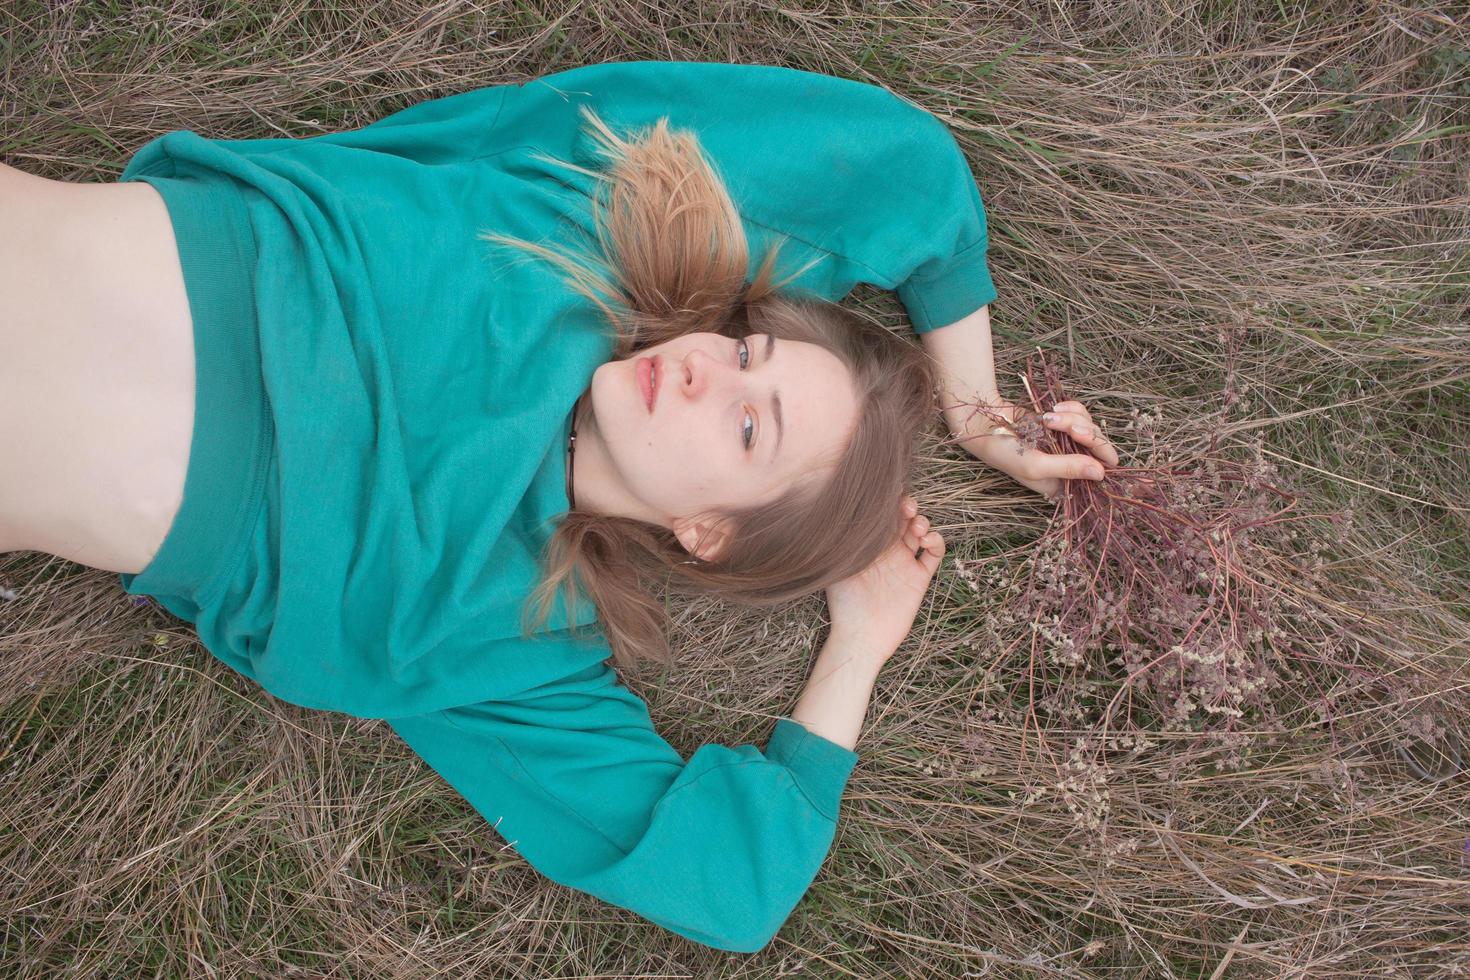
(233, 435)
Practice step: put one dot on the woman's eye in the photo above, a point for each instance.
(747, 430)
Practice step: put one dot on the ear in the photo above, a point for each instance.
(714, 539)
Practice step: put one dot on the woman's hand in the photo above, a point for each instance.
(875, 609)
(997, 446)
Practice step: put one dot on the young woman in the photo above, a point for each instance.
(350, 406)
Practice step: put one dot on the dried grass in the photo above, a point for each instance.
(1166, 185)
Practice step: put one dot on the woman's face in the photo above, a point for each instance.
(734, 422)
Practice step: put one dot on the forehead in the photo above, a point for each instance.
(818, 405)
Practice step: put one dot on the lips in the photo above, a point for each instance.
(648, 379)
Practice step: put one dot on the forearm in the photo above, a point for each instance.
(835, 700)
(966, 360)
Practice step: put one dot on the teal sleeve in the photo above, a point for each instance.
(718, 849)
(870, 184)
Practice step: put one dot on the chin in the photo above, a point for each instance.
(603, 402)
(619, 383)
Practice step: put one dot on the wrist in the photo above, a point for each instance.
(978, 414)
(854, 650)
(835, 700)
(990, 438)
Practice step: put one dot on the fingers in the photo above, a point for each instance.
(1079, 425)
(1073, 423)
(1073, 466)
(908, 509)
(933, 552)
(916, 534)
(931, 543)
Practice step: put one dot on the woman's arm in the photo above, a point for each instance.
(872, 612)
(966, 359)
(863, 182)
(719, 848)
(835, 700)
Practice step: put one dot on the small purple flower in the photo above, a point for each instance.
(140, 600)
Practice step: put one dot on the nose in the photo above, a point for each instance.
(699, 372)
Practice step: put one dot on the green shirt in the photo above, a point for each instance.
(400, 392)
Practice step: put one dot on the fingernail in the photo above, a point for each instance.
(1049, 416)
(1095, 472)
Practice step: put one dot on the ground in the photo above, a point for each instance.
(1165, 184)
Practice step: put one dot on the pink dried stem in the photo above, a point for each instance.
(1138, 545)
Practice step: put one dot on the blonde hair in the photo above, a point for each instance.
(673, 258)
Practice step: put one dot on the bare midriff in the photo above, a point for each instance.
(97, 381)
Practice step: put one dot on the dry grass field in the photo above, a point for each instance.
(1239, 225)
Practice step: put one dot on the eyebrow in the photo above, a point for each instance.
(775, 398)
